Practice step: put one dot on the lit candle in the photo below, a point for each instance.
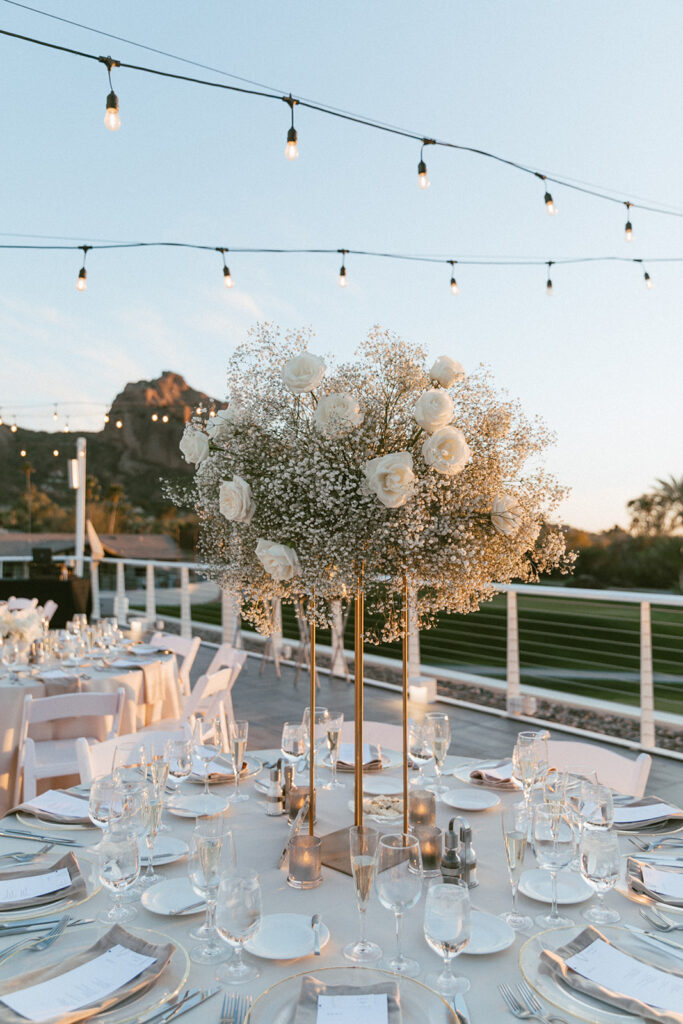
(431, 846)
(304, 862)
(421, 808)
(135, 631)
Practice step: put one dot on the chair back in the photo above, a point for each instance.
(389, 737)
(623, 774)
(75, 705)
(49, 608)
(227, 656)
(97, 759)
(184, 647)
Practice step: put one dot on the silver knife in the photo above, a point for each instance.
(38, 837)
(155, 1015)
(460, 1007)
(189, 1004)
(655, 940)
(37, 926)
(315, 925)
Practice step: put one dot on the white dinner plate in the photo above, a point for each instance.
(571, 888)
(200, 806)
(31, 821)
(253, 764)
(167, 897)
(285, 937)
(167, 850)
(470, 799)
(381, 786)
(490, 934)
(143, 649)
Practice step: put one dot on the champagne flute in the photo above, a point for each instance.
(159, 768)
(447, 929)
(216, 827)
(238, 732)
(333, 733)
(553, 840)
(211, 855)
(515, 822)
(399, 886)
(439, 733)
(239, 918)
(418, 748)
(363, 847)
(101, 802)
(119, 867)
(600, 864)
(293, 742)
(153, 807)
(525, 761)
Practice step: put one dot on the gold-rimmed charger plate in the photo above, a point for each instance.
(74, 940)
(418, 1003)
(662, 828)
(58, 906)
(31, 821)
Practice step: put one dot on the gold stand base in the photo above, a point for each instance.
(336, 853)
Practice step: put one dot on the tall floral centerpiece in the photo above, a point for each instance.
(407, 473)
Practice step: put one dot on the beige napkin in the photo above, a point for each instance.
(634, 877)
(311, 988)
(346, 763)
(60, 819)
(75, 890)
(116, 936)
(216, 771)
(649, 801)
(484, 776)
(554, 962)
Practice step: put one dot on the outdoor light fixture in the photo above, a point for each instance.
(55, 415)
(629, 226)
(106, 417)
(454, 284)
(23, 453)
(81, 285)
(292, 148)
(342, 269)
(155, 417)
(549, 204)
(66, 427)
(164, 419)
(118, 424)
(112, 118)
(227, 277)
(14, 428)
(549, 283)
(423, 181)
(55, 452)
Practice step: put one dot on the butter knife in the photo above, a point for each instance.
(165, 1010)
(656, 941)
(38, 926)
(460, 1007)
(315, 925)
(189, 1004)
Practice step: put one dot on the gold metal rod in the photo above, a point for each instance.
(358, 701)
(311, 699)
(405, 705)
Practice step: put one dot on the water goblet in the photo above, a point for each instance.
(419, 751)
(102, 802)
(211, 855)
(130, 761)
(439, 735)
(316, 732)
(515, 822)
(239, 918)
(363, 848)
(333, 734)
(178, 754)
(399, 886)
(208, 743)
(600, 864)
(447, 929)
(553, 840)
(597, 806)
(119, 867)
(238, 732)
(293, 742)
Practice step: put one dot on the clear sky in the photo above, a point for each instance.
(588, 91)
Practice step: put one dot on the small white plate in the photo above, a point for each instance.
(381, 786)
(167, 897)
(571, 888)
(198, 806)
(470, 800)
(143, 649)
(463, 774)
(285, 937)
(167, 850)
(490, 934)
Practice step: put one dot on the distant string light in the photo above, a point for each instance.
(164, 419)
(292, 147)
(119, 424)
(549, 283)
(112, 117)
(422, 178)
(55, 415)
(82, 281)
(154, 417)
(454, 284)
(342, 270)
(23, 453)
(14, 428)
(55, 452)
(227, 276)
(628, 231)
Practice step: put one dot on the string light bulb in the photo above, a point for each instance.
(648, 280)
(549, 283)
(227, 276)
(66, 427)
(118, 424)
(628, 231)
(454, 284)
(14, 428)
(2, 422)
(155, 417)
(342, 270)
(550, 206)
(423, 181)
(23, 453)
(112, 117)
(55, 415)
(55, 452)
(292, 147)
(164, 419)
(106, 417)
(81, 285)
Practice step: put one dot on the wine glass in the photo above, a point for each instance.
(447, 929)
(418, 748)
(600, 864)
(399, 885)
(515, 822)
(525, 762)
(208, 742)
(119, 867)
(239, 918)
(130, 761)
(237, 733)
(575, 776)
(293, 742)
(363, 847)
(596, 806)
(319, 732)
(101, 802)
(553, 839)
(438, 730)
(178, 753)
(333, 735)
(212, 853)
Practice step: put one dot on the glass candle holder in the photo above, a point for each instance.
(304, 862)
(297, 795)
(421, 809)
(430, 839)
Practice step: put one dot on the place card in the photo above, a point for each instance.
(365, 1007)
(667, 883)
(55, 802)
(624, 814)
(82, 986)
(612, 969)
(17, 890)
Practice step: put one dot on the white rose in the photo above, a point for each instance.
(194, 445)
(279, 561)
(235, 501)
(506, 515)
(433, 409)
(336, 413)
(391, 478)
(303, 373)
(446, 371)
(218, 426)
(447, 451)
(25, 624)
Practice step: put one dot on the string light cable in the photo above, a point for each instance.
(597, 192)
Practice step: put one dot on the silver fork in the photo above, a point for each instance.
(228, 1009)
(529, 997)
(36, 945)
(662, 923)
(21, 857)
(652, 844)
(519, 1010)
(242, 1008)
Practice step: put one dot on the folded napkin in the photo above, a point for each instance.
(499, 774)
(372, 757)
(59, 806)
(218, 768)
(116, 940)
(648, 811)
(659, 883)
(65, 870)
(592, 953)
(311, 988)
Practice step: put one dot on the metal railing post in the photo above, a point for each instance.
(185, 610)
(120, 601)
(647, 689)
(230, 619)
(512, 656)
(95, 590)
(150, 595)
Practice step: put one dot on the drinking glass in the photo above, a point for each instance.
(399, 885)
(158, 768)
(119, 867)
(596, 806)
(293, 742)
(553, 840)
(438, 730)
(130, 761)
(212, 854)
(418, 748)
(599, 860)
(178, 753)
(555, 789)
(525, 762)
(515, 822)
(153, 808)
(447, 929)
(239, 918)
(363, 847)
(207, 738)
(575, 776)
(319, 730)
(333, 735)
(238, 732)
(102, 802)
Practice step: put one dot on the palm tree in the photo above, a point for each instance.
(660, 510)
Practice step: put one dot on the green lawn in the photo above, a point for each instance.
(556, 636)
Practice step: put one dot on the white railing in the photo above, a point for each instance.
(510, 675)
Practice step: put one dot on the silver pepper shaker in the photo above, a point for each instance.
(275, 804)
(287, 783)
(468, 856)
